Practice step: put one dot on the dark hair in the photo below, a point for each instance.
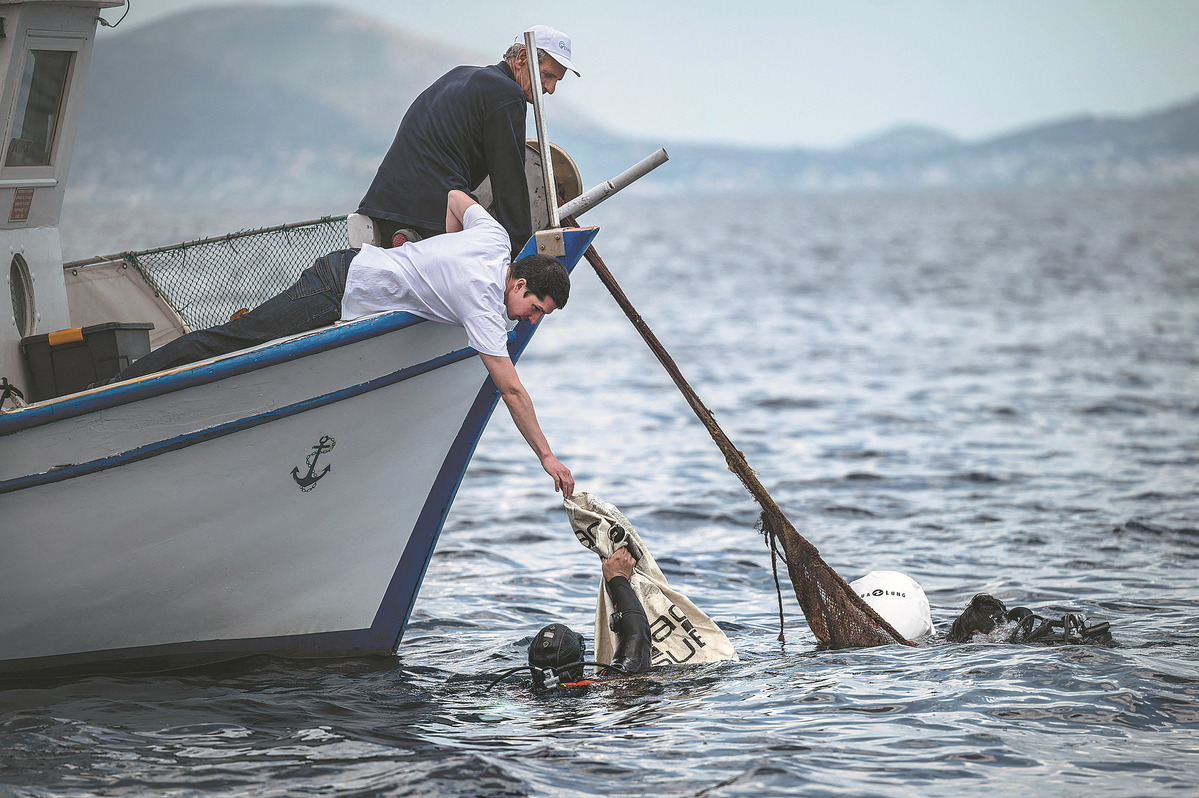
(982, 614)
(545, 276)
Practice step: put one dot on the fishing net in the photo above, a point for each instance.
(208, 280)
(837, 616)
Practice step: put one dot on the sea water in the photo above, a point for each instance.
(991, 391)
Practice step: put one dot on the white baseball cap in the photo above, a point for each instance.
(554, 42)
(899, 599)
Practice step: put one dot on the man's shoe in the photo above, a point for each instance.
(404, 236)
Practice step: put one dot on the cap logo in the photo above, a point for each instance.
(878, 591)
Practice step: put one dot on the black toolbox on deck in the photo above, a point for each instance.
(70, 360)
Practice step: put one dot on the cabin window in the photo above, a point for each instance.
(20, 285)
(39, 107)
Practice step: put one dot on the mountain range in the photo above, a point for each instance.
(263, 104)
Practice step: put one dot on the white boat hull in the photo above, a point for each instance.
(188, 516)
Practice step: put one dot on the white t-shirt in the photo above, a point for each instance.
(456, 278)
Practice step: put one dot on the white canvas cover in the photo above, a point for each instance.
(679, 631)
(111, 291)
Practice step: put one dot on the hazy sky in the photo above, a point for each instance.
(821, 73)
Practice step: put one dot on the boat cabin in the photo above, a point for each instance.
(45, 50)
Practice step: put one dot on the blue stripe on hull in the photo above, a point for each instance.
(122, 393)
(229, 428)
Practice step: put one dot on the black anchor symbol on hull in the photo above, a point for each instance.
(309, 480)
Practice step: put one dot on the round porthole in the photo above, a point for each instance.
(20, 285)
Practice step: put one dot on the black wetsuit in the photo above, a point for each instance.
(466, 126)
(633, 648)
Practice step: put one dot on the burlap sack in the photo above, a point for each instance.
(680, 632)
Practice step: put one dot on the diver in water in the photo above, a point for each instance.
(556, 655)
(987, 615)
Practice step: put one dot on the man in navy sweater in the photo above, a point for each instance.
(468, 125)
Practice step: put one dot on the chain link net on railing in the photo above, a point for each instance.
(208, 280)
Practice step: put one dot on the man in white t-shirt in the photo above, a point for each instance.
(463, 279)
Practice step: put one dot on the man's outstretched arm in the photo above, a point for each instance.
(520, 405)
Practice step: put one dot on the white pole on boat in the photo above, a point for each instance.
(543, 140)
(594, 196)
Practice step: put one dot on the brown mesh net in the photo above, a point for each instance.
(837, 616)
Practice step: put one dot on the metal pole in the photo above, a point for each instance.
(543, 140)
(594, 196)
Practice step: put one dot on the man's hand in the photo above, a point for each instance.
(563, 479)
(619, 564)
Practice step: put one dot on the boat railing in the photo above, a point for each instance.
(208, 280)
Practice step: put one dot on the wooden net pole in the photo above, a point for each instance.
(837, 616)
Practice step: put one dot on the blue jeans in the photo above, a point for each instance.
(313, 301)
